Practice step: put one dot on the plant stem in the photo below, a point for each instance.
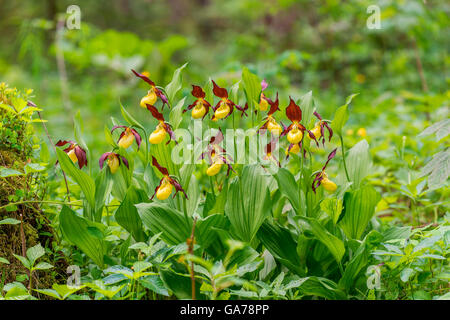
(50, 202)
(343, 158)
(212, 186)
(191, 252)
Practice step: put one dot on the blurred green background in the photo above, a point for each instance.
(324, 46)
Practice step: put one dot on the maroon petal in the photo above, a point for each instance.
(178, 187)
(198, 91)
(156, 189)
(330, 131)
(218, 91)
(155, 113)
(330, 156)
(81, 156)
(146, 79)
(317, 115)
(124, 160)
(60, 143)
(163, 97)
(161, 169)
(103, 158)
(116, 127)
(138, 137)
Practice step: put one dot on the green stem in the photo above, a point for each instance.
(343, 157)
(212, 186)
(50, 202)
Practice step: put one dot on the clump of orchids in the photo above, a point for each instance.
(215, 154)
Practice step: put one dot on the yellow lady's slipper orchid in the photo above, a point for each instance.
(113, 160)
(162, 128)
(215, 167)
(150, 99)
(294, 135)
(158, 135)
(225, 106)
(165, 190)
(153, 94)
(263, 103)
(321, 177)
(75, 152)
(222, 111)
(200, 107)
(328, 185)
(166, 184)
(127, 137)
(113, 163)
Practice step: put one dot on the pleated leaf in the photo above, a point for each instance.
(127, 215)
(359, 207)
(76, 230)
(159, 217)
(248, 202)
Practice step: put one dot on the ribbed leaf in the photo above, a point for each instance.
(359, 162)
(248, 202)
(341, 115)
(252, 87)
(103, 187)
(206, 229)
(175, 85)
(359, 207)
(76, 230)
(129, 118)
(288, 187)
(281, 245)
(334, 244)
(127, 216)
(159, 217)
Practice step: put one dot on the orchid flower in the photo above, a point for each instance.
(153, 94)
(75, 152)
(127, 137)
(166, 184)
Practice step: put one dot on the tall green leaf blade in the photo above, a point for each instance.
(129, 118)
(127, 216)
(206, 229)
(307, 107)
(341, 116)
(252, 87)
(175, 85)
(359, 207)
(288, 187)
(161, 218)
(281, 245)
(359, 162)
(75, 230)
(334, 244)
(85, 182)
(248, 202)
(103, 187)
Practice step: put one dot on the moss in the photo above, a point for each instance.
(36, 228)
